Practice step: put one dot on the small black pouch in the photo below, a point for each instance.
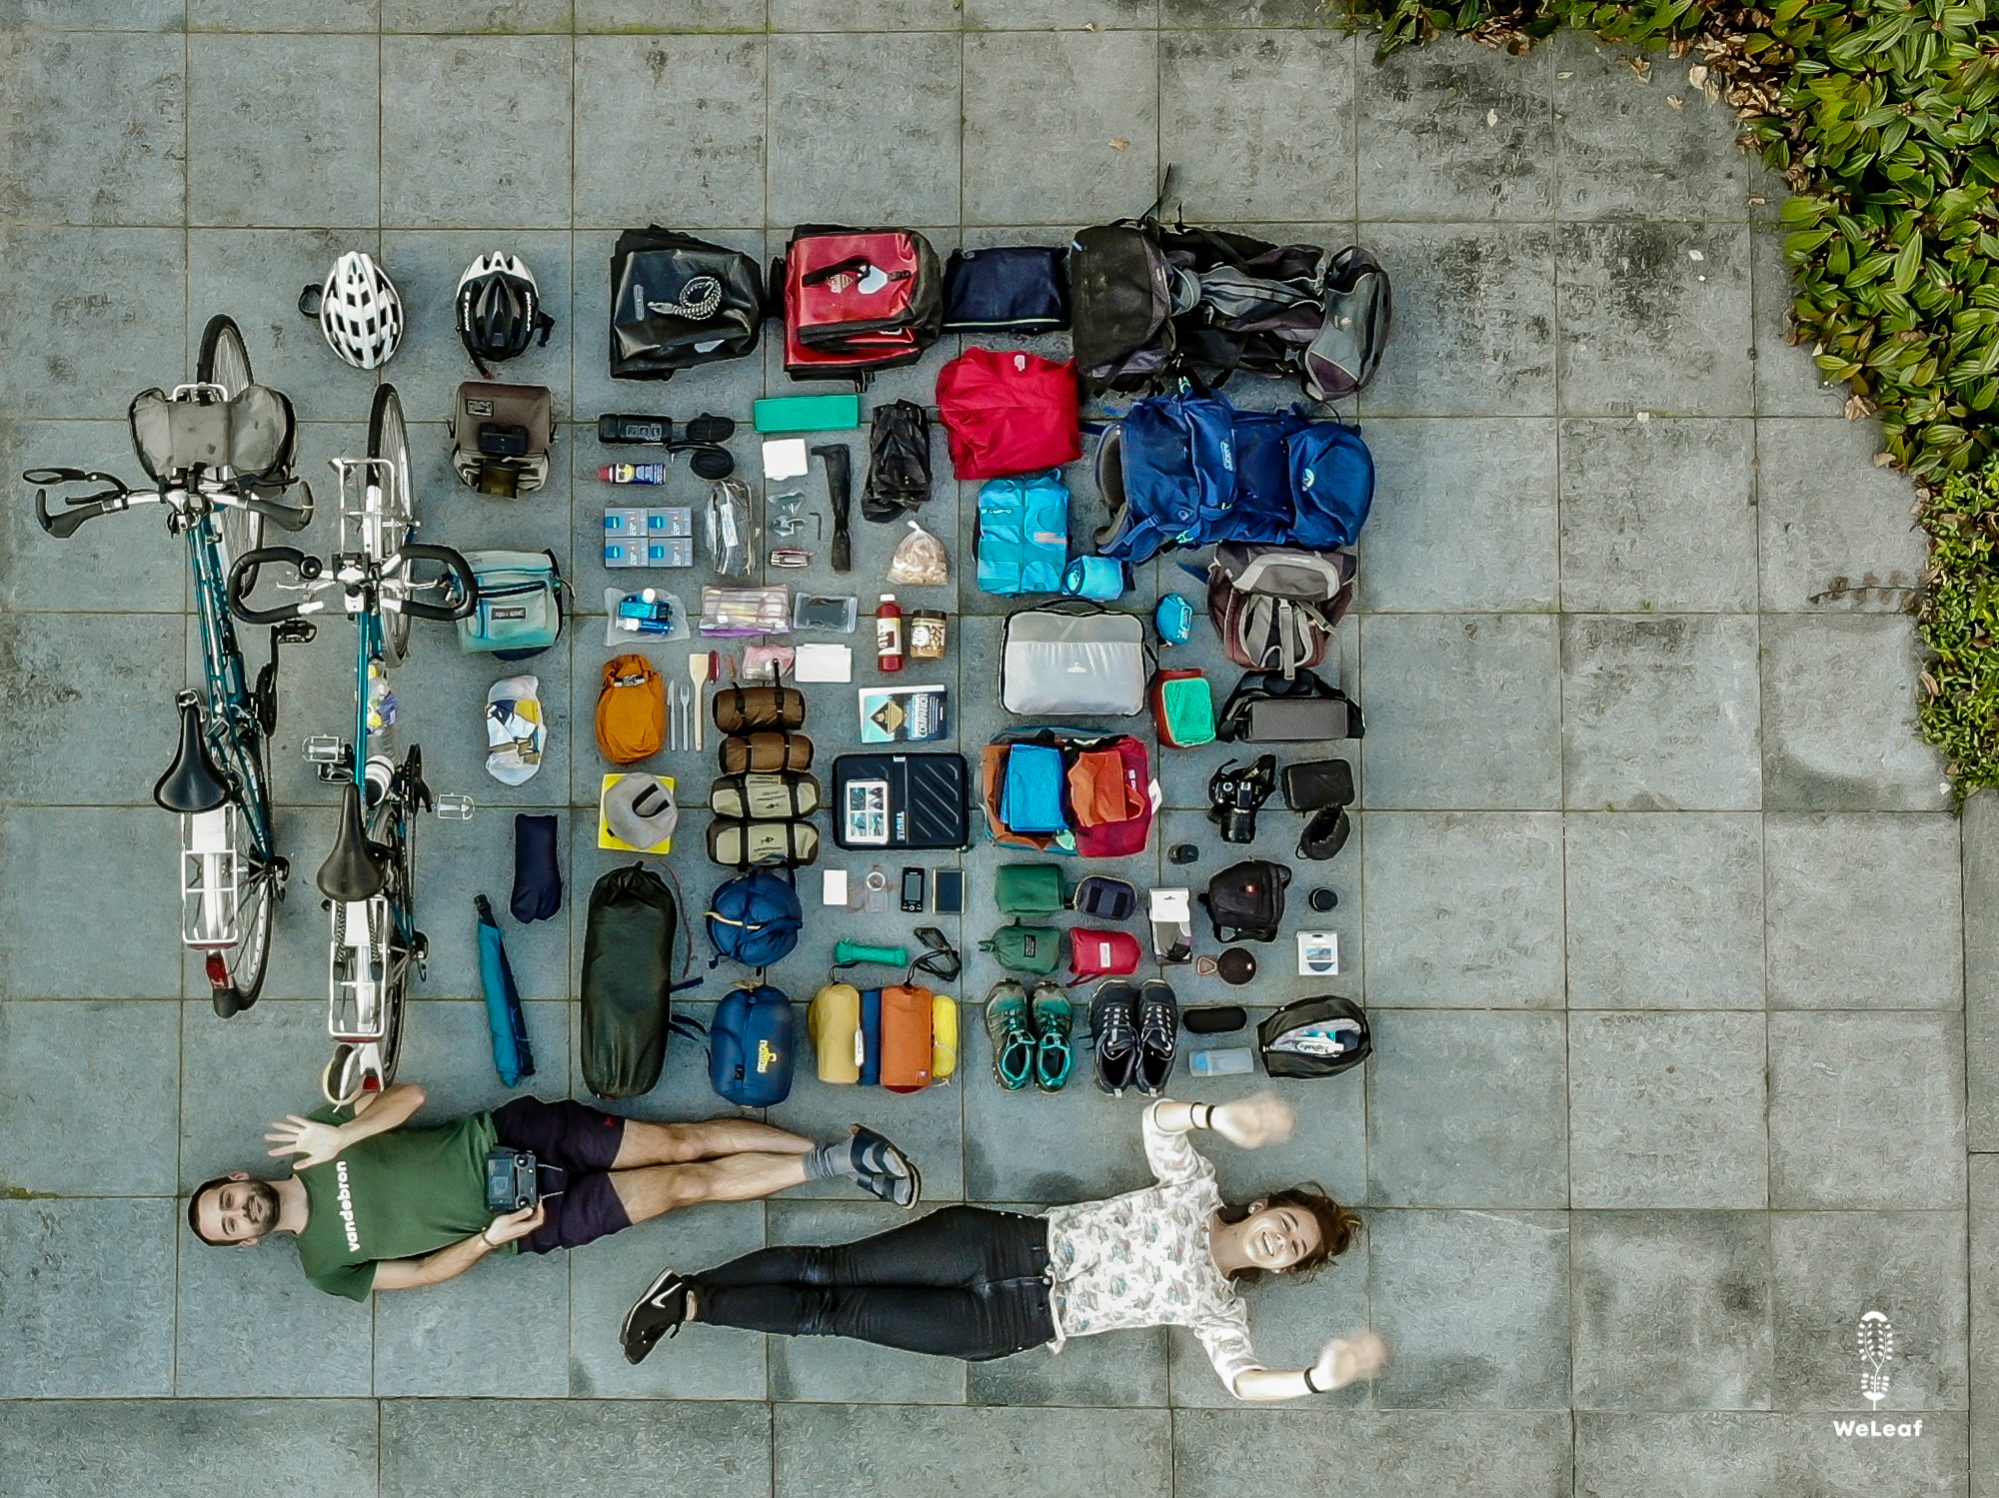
(1214, 1019)
(1105, 898)
(1024, 288)
(512, 1183)
(537, 870)
(1245, 901)
(898, 461)
(1314, 783)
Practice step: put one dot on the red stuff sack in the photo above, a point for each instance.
(1101, 954)
(1008, 413)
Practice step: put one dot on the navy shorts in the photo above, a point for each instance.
(574, 1146)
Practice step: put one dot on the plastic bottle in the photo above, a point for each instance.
(1223, 1062)
(633, 473)
(888, 633)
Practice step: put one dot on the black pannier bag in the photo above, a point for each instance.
(1314, 1038)
(678, 302)
(628, 973)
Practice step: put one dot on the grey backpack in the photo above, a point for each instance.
(500, 437)
(1275, 606)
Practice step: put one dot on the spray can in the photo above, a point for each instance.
(888, 633)
(633, 473)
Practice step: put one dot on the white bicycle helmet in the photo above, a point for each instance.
(499, 309)
(359, 310)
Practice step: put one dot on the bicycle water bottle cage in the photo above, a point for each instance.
(354, 870)
(193, 783)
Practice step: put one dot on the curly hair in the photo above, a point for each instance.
(1339, 1227)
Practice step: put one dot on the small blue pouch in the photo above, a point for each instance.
(1098, 578)
(871, 1037)
(1031, 800)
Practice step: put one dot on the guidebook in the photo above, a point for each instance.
(902, 715)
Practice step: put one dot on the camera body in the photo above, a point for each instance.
(1236, 792)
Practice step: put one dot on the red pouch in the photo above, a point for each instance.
(1102, 954)
(1008, 413)
(1123, 759)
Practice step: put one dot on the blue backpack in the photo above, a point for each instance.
(754, 918)
(1023, 534)
(752, 1046)
(1191, 470)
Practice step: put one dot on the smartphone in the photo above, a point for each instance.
(950, 891)
(913, 891)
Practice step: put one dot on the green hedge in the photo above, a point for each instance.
(1883, 117)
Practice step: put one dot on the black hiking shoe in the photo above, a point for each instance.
(1158, 1036)
(1114, 1031)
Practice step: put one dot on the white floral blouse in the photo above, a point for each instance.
(1142, 1259)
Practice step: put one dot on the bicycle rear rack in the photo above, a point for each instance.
(357, 971)
(210, 896)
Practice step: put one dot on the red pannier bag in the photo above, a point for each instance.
(857, 300)
(1008, 413)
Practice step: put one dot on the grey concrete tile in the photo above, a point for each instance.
(476, 15)
(68, 1338)
(1839, 717)
(1831, 1267)
(1672, 1310)
(79, 682)
(1052, 15)
(1826, 513)
(458, 152)
(1981, 964)
(1864, 912)
(1468, 1110)
(59, 1064)
(1846, 1088)
(610, 1448)
(1290, 1321)
(1663, 1117)
(1514, 1455)
(96, 15)
(282, 15)
(1659, 713)
(712, 1362)
(843, 96)
(90, 348)
(831, 1370)
(432, 363)
(1257, 152)
(271, 142)
(1475, 717)
(99, 568)
(461, 859)
(1071, 1146)
(1624, 1455)
(1665, 910)
(50, 891)
(1489, 483)
(874, 15)
(696, 101)
(97, 128)
(1075, 95)
(1475, 1307)
(1652, 149)
(668, 15)
(1984, 1338)
(1457, 130)
(236, 1077)
(1658, 515)
(1217, 15)
(326, 1449)
(841, 1451)
(1788, 379)
(1464, 910)
(250, 1324)
(446, 1340)
(448, 1051)
(1125, 1371)
(1648, 327)
(255, 275)
(1475, 335)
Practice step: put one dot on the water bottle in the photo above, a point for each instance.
(1227, 1061)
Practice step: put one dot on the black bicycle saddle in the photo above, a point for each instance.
(354, 869)
(192, 783)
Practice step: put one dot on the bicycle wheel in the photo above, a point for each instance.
(224, 361)
(403, 951)
(389, 504)
(236, 975)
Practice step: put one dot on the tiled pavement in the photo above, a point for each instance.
(1655, 900)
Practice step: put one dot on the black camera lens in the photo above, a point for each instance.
(1323, 899)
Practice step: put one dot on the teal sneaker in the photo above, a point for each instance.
(1054, 1017)
(1012, 1042)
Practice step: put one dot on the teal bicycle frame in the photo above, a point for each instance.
(230, 719)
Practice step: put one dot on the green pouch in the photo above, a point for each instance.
(807, 413)
(1026, 949)
(1183, 709)
(1029, 889)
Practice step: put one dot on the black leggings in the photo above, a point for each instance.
(963, 1282)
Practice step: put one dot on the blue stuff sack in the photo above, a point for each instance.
(1023, 541)
(1031, 798)
(1024, 288)
(754, 918)
(753, 1046)
(871, 1037)
(1097, 578)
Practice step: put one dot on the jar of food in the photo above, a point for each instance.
(927, 634)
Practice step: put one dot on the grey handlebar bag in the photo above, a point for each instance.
(1056, 662)
(500, 437)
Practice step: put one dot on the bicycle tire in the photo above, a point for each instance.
(241, 979)
(388, 440)
(224, 361)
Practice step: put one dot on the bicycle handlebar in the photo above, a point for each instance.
(63, 523)
(467, 585)
(307, 567)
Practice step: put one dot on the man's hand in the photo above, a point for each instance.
(313, 1143)
(1348, 1358)
(511, 1225)
(1254, 1121)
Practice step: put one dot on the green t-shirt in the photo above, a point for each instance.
(398, 1195)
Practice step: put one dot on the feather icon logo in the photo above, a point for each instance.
(1877, 1351)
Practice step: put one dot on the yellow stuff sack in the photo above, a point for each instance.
(834, 1021)
(631, 710)
(943, 1037)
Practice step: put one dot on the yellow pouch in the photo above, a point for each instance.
(943, 1037)
(833, 1019)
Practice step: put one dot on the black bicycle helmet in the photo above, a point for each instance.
(499, 310)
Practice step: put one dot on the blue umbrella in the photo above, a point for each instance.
(512, 1056)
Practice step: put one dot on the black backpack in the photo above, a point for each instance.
(1245, 901)
(628, 982)
(1121, 309)
(678, 301)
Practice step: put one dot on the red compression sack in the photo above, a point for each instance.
(1102, 954)
(858, 299)
(1007, 413)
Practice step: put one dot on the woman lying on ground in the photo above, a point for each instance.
(975, 1283)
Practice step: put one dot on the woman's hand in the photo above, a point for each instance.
(313, 1143)
(1253, 1121)
(511, 1225)
(1348, 1358)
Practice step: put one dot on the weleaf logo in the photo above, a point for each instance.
(1877, 1350)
